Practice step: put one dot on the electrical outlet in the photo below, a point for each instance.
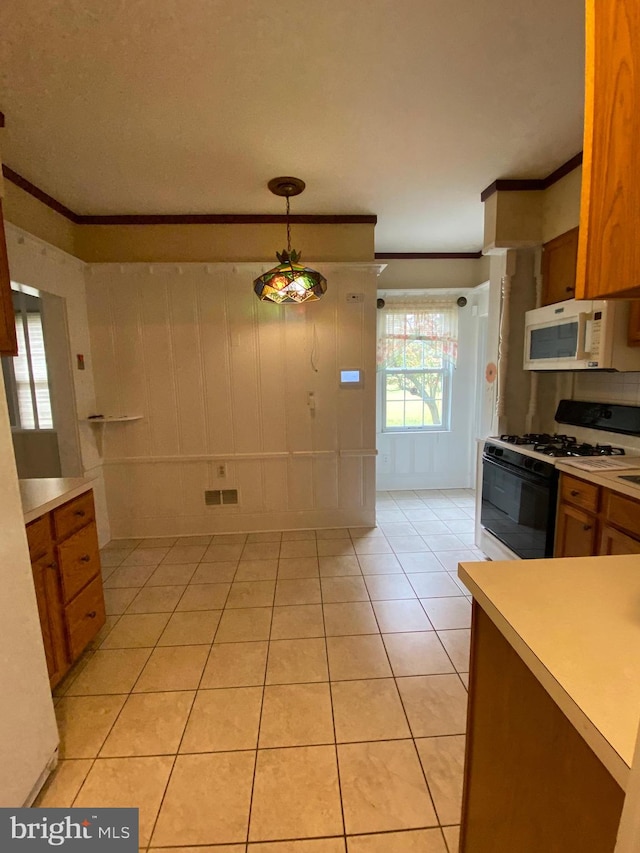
(221, 470)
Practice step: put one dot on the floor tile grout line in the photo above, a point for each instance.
(410, 727)
(255, 760)
(335, 733)
(272, 608)
(184, 730)
(276, 683)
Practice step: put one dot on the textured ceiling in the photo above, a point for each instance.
(402, 108)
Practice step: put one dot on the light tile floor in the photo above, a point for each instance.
(302, 692)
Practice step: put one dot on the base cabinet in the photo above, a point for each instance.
(47, 586)
(65, 561)
(531, 785)
(575, 532)
(593, 521)
(613, 542)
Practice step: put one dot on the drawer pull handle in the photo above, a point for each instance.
(85, 558)
(587, 526)
(570, 289)
(574, 493)
(53, 565)
(80, 513)
(92, 614)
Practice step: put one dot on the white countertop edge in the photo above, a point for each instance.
(41, 496)
(609, 757)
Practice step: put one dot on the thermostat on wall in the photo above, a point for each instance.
(351, 379)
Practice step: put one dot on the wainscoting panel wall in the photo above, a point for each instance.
(233, 394)
(60, 280)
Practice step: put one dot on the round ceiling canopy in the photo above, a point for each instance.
(286, 186)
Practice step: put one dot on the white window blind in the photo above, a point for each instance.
(30, 374)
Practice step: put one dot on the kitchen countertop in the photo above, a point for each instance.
(576, 625)
(43, 495)
(608, 479)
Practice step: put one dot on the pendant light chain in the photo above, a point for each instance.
(290, 281)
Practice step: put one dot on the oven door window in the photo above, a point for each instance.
(557, 341)
(519, 510)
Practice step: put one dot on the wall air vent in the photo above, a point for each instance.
(224, 497)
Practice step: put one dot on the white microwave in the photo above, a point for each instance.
(579, 334)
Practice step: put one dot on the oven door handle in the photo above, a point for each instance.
(528, 476)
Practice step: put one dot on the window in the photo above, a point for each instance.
(25, 376)
(417, 355)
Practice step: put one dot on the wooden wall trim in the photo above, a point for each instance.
(519, 184)
(183, 219)
(36, 192)
(563, 170)
(428, 256)
(227, 219)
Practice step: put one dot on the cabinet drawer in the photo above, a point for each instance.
(39, 537)
(622, 511)
(79, 560)
(579, 493)
(73, 515)
(85, 616)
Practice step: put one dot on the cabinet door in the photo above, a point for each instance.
(47, 586)
(559, 260)
(85, 616)
(8, 342)
(633, 333)
(575, 532)
(79, 560)
(613, 542)
(609, 251)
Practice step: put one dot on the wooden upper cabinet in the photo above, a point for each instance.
(634, 324)
(559, 259)
(609, 252)
(8, 342)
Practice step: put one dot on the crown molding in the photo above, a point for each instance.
(36, 192)
(426, 256)
(519, 184)
(183, 219)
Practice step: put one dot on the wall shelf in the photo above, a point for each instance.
(109, 419)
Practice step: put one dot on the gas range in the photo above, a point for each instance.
(559, 446)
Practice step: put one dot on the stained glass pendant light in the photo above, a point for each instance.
(290, 281)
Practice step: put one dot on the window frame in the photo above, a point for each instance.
(447, 383)
(446, 371)
(37, 413)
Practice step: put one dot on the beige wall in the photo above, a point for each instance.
(531, 217)
(561, 205)
(211, 243)
(514, 220)
(433, 273)
(25, 211)
(184, 243)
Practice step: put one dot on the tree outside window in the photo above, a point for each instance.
(417, 351)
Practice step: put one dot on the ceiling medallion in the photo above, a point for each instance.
(289, 281)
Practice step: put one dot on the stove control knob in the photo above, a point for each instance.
(499, 451)
(528, 462)
(538, 467)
